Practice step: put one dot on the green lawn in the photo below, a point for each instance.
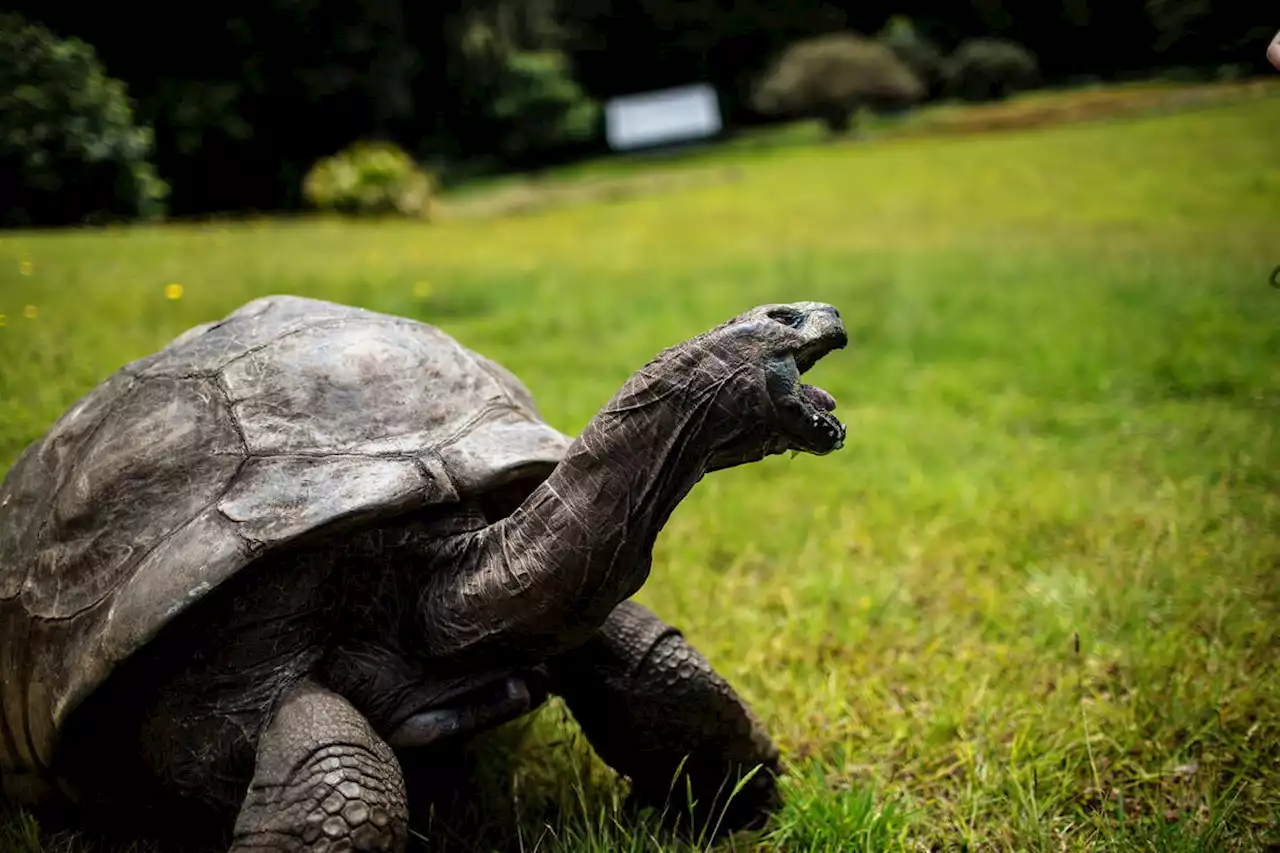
(1033, 605)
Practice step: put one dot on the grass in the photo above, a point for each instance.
(1033, 605)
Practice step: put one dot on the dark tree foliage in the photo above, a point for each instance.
(524, 104)
(245, 96)
(921, 54)
(1200, 33)
(70, 150)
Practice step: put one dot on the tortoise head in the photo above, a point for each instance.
(740, 383)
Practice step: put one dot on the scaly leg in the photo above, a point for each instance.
(323, 782)
(648, 701)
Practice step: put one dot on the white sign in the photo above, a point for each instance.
(668, 115)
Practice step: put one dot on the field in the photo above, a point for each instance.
(1033, 604)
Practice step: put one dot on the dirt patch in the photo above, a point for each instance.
(530, 196)
(1088, 105)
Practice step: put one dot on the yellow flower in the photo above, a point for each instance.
(422, 289)
(173, 291)
(26, 267)
(4, 321)
(29, 312)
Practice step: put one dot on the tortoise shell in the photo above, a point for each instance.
(286, 418)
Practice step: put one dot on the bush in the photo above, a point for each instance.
(990, 70)
(830, 77)
(370, 178)
(918, 53)
(69, 149)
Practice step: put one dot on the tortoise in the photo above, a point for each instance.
(256, 575)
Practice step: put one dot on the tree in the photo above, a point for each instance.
(508, 63)
(244, 95)
(69, 148)
(540, 106)
(829, 77)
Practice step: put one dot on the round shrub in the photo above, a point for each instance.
(990, 69)
(921, 55)
(69, 149)
(370, 178)
(829, 77)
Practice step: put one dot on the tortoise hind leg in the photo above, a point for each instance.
(323, 781)
(652, 707)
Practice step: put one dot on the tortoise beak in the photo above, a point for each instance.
(823, 332)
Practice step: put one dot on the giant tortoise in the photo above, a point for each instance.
(255, 574)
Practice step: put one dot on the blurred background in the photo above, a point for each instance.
(236, 103)
(1032, 605)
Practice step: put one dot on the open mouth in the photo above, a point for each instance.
(811, 427)
(819, 431)
(807, 424)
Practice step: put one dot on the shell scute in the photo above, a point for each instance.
(207, 348)
(277, 499)
(165, 450)
(371, 385)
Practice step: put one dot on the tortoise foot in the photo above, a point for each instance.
(323, 783)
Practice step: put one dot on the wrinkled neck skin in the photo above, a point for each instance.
(544, 578)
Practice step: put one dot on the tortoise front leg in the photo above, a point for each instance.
(323, 781)
(652, 707)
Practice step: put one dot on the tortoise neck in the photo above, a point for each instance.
(550, 573)
(619, 484)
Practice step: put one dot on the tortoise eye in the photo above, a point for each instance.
(786, 316)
